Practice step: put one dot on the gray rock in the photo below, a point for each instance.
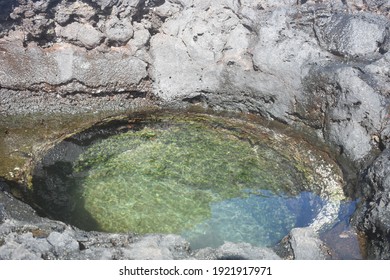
(320, 66)
(340, 100)
(234, 251)
(3, 214)
(81, 12)
(141, 37)
(306, 244)
(110, 3)
(375, 218)
(118, 31)
(17, 252)
(63, 242)
(84, 35)
(354, 35)
(67, 68)
(157, 247)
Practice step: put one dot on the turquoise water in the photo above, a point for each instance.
(200, 178)
(261, 220)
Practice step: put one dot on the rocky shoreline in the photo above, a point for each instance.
(318, 66)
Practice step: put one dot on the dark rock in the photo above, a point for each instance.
(354, 35)
(3, 214)
(375, 215)
(341, 102)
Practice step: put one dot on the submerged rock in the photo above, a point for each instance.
(31, 237)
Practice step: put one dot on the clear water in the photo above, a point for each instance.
(200, 179)
(260, 220)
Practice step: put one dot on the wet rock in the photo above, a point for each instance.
(376, 217)
(306, 244)
(6, 8)
(13, 208)
(341, 100)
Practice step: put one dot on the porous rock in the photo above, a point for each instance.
(354, 35)
(118, 31)
(236, 251)
(306, 244)
(318, 65)
(84, 35)
(376, 219)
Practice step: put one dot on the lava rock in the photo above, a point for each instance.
(84, 35)
(320, 66)
(156, 247)
(306, 244)
(341, 99)
(110, 3)
(63, 242)
(118, 31)
(79, 12)
(375, 220)
(354, 35)
(236, 251)
(67, 68)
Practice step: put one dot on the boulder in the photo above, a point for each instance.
(354, 35)
(306, 245)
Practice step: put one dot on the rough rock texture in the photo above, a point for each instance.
(376, 219)
(316, 65)
(234, 251)
(306, 244)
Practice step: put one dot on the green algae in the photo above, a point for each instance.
(208, 178)
(164, 178)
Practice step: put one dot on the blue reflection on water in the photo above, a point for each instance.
(261, 219)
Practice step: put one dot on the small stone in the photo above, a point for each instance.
(82, 34)
(63, 242)
(119, 30)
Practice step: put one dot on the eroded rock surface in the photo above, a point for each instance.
(321, 66)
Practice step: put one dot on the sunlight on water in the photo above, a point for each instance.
(208, 181)
(202, 182)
